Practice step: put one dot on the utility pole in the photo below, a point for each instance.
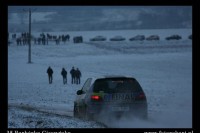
(29, 42)
(29, 37)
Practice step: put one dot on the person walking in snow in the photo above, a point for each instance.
(78, 76)
(50, 74)
(72, 72)
(64, 74)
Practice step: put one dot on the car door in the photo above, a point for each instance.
(81, 98)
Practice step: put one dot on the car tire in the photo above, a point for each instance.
(76, 111)
(86, 115)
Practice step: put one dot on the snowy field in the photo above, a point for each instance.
(163, 68)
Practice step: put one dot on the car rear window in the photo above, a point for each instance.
(116, 85)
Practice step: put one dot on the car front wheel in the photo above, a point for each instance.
(75, 111)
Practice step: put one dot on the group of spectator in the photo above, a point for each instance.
(43, 38)
(75, 75)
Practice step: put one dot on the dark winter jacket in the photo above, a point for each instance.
(72, 72)
(77, 73)
(49, 71)
(64, 73)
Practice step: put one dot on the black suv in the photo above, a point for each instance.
(111, 96)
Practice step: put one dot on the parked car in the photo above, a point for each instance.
(190, 37)
(98, 38)
(153, 37)
(78, 39)
(137, 38)
(117, 38)
(174, 37)
(110, 96)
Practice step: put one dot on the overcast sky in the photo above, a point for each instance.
(101, 17)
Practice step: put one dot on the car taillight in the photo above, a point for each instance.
(95, 97)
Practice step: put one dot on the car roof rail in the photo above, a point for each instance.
(108, 76)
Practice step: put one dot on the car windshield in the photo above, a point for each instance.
(116, 85)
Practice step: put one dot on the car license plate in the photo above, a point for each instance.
(120, 108)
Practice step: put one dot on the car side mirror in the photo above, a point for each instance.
(79, 92)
